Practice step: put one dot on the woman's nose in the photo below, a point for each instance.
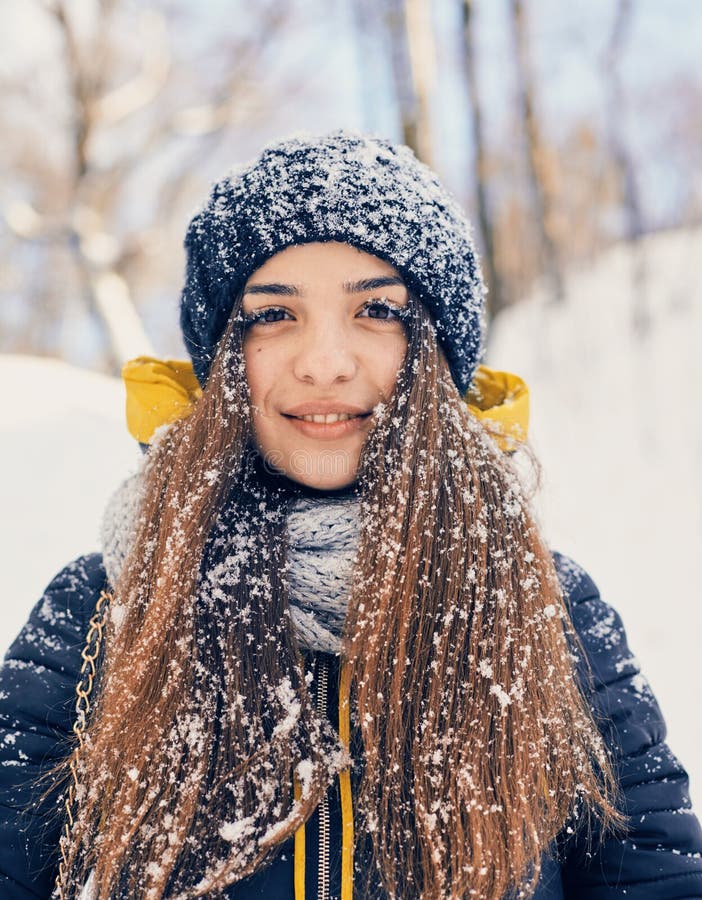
(325, 355)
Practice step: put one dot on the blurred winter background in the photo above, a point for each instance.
(572, 134)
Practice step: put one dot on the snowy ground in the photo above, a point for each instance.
(614, 421)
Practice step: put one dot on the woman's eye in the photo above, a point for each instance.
(383, 309)
(265, 316)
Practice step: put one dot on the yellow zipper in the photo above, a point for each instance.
(345, 788)
(346, 807)
(323, 843)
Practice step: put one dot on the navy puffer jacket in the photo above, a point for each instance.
(660, 858)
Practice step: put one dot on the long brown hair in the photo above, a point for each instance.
(478, 745)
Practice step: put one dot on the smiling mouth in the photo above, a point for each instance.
(328, 418)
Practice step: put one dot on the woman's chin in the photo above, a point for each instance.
(328, 469)
(323, 481)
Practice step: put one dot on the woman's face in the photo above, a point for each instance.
(325, 340)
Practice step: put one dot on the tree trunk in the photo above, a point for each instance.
(496, 298)
(108, 294)
(422, 53)
(624, 162)
(414, 123)
(362, 25)
(539, 175)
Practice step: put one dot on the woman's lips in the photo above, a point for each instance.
(328, 430)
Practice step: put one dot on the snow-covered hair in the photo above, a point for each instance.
(473, 741)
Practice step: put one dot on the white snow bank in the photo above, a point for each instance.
(64, 448)
(616, 424)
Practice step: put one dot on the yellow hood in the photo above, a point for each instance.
(161, 391)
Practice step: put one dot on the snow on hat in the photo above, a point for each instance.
(342, 186)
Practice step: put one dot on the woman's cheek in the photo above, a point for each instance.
(396, 356)
(262, 372)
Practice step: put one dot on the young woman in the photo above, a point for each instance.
(333, 656)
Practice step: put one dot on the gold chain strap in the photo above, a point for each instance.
(91, 651)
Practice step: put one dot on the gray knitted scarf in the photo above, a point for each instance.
(322, 542)
(322, 537)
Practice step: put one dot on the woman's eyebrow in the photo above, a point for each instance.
(371, 284)
(350, 287)
(287, 290)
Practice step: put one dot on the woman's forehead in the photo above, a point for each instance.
(331, 261)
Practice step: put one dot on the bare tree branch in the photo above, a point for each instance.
(143, 89)
(126, 108)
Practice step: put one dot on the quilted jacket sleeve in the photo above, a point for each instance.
(659, 858)
(37, 709)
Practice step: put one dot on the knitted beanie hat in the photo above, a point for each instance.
(342, 186)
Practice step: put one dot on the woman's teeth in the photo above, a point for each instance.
(332, 417)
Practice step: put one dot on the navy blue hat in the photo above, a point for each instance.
(342, 186)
